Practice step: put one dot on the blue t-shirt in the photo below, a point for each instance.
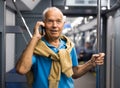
(42, 65)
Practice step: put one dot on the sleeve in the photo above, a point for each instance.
(33, 59)
(74, 57)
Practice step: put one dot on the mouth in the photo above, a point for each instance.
(53, 31)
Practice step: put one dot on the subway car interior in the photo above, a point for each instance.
(93, 26)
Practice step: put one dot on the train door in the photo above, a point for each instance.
(12, 79)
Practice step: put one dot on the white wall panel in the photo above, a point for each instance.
(10, 42)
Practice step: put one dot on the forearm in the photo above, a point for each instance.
(96, 59)
(80, 70)
(25, 61)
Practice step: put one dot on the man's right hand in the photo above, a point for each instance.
(36, 32)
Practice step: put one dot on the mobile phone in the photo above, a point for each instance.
(42, 30)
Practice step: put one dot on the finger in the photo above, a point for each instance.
(37, 27)
(95, 55)
(101, 63)
(102, 54)
(38, 24)
(100, 58)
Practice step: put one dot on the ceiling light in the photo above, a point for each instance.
(104, 8)
(66, 7)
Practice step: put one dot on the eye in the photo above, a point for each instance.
(49, 21)
(59, 21)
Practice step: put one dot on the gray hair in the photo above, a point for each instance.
(51, 8)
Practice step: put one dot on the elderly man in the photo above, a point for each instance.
(51, 57)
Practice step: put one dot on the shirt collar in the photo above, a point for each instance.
(62, 43)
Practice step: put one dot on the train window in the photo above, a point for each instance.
(82, 30)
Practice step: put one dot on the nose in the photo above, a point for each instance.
(54, 24)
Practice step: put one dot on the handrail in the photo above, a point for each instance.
(98, 40)
(23, 20)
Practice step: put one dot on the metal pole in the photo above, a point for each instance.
(51, 3)
(3, 43)
(23, 20)
(98, 40)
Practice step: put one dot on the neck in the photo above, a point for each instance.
(53, 41)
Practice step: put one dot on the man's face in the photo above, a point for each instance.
(53, 24)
